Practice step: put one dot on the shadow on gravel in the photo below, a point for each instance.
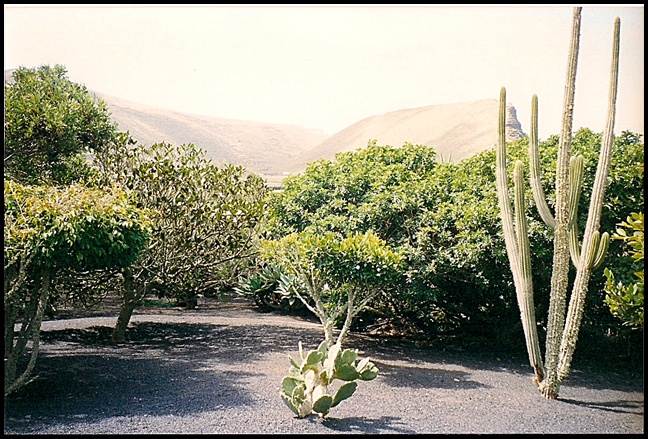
(384, 424)
(193, 341)
(427, 378)
(88, 388)
(162, 369)
(630, 407)
(588, 370)
(168, 369)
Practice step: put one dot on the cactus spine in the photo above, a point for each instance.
(562, 332)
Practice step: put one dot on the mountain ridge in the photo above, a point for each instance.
(274, 151)
(456, 131)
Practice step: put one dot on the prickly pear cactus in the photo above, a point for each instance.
(308, 387)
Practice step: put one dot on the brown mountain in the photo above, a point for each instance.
(455, 131)
(261, 147)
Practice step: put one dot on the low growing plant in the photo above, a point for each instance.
(309, 387)
(270, 290)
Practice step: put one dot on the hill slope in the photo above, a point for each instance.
(260, 147)
(455, 131)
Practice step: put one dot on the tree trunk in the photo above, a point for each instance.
(11, 381)
(130, 301)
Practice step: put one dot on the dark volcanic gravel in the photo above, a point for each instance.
(218, 370)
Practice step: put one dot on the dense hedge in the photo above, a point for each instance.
(444, 219)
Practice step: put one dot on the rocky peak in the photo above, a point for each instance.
(513, 125)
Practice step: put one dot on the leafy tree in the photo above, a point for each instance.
(383, 189)
(334, 278)
(50, 124)
(374, 188)
(206, 220)
(47, 231)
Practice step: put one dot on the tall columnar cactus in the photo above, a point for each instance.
(562, 331)
(308, 387)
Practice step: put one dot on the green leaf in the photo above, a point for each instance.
(347, 372)
(323, 404)
(369, 373)
(345, 391)
(288, 385)
(290, 404)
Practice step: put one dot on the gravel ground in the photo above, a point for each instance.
(218, 370)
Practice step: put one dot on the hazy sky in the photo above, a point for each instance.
(329, 66)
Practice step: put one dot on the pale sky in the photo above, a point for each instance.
(329, 66)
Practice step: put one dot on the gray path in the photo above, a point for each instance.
(219, 372)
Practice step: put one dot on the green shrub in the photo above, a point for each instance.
(444, 219)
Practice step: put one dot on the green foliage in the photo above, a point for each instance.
(444, 219)
(48, 231)
(334, 278)
(309, 386)
(626, 300)
(205, 219)
(624, 195)
(374, 188)
(50, 124)
(270, 289)
(72, 228)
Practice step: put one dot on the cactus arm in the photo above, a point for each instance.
(560, 270)
(576, 167)
(574, 247)
(534, 163)
(322, 405)
(520, 269)
(594, 249)
(345, 391)
(577, 303)
(576, 171)
(503, 194)
(604, 243)
(525, 294)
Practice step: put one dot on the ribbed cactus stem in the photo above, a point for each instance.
(591, 256)
(525, 294)
(517, 242)
(576, 171)
(600, 246)
(577, 302)
(576, 167)
(503, 195)
(562, 326)
(560, 271)
(601, 251)
(534, 163)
